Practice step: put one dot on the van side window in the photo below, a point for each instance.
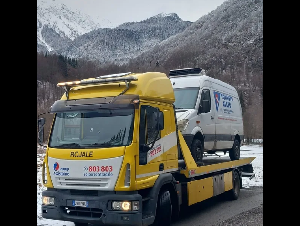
(205, 102)
(148, 125)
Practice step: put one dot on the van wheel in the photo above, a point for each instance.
(234, 193)
(163, 209)
(197, 151)
(234, 152)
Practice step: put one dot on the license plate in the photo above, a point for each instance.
(80, 203)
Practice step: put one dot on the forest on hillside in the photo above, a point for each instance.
(245, 74)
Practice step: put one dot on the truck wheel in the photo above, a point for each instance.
(197, 151)
(163, 209)
(234, 193)
(234, 152)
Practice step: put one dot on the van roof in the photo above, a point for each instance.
(195, 80)
(153, 86)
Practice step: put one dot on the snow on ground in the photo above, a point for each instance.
(257, 152)
(246, 151)
(41, 221)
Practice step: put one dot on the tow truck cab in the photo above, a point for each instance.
(111, 137)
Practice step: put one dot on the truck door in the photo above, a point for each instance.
(206, 119)
(152, 161)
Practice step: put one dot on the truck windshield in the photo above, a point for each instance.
(185, 98)
(92, 129)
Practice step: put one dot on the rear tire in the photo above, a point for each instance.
(234, 152)
(234, 193)
(163, 209)
(197, 151)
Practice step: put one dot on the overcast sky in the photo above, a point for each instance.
(120, 11)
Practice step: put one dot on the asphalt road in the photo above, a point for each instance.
(247, 210)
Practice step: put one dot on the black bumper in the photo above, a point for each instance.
(98, 212)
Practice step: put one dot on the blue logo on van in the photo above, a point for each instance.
(217, 99)
(225, 106)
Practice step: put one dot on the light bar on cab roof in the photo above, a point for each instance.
(93, 81)
(68, 83)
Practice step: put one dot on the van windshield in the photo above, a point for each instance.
(185, 98)
(92, 129)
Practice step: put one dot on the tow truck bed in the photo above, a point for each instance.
(211, 164)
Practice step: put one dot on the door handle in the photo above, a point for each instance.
(212, 117)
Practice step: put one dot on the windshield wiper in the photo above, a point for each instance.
(100, 145)
(70, 145)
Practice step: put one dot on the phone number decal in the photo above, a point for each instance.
(97, 171)
(98, 168)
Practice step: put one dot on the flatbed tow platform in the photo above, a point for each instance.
(211, 164)
(216, 176)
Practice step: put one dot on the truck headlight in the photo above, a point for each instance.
(125, 205)
(48, 200)
(182, 124)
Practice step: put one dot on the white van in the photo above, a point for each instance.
(208, 113)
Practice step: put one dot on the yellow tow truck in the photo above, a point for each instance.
(116, 157)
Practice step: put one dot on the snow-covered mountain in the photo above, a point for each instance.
(232, 32)
(119, 45)
(70, 33)
(57, 25)
(73, 34)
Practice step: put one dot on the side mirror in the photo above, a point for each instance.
(160, 120)
(143, 154)
(200, 109)
(203, 107)
(144, 148)
(41, 123)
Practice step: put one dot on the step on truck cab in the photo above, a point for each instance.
(112, 155)
(208, 112)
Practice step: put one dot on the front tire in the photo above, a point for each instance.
(163, 209)
(235, 152)
(197, 151)
(234, 193)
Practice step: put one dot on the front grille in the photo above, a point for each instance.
(82, 182)
(84, 192)
(82, 211)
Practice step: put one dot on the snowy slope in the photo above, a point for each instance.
(119, 45)
(56, 20)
